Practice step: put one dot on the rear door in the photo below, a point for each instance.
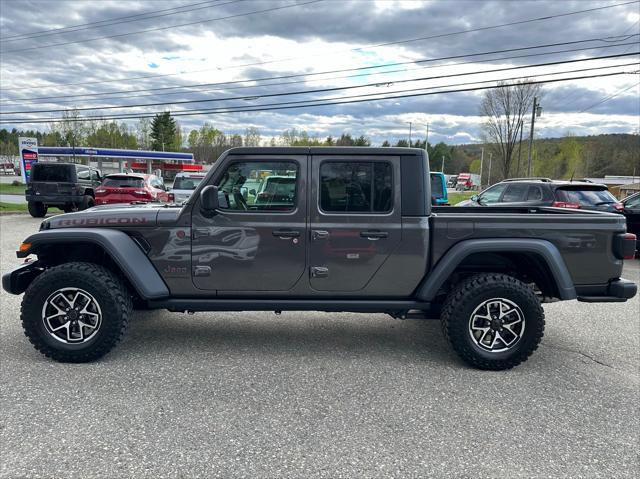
(251, 245)
(355, 219)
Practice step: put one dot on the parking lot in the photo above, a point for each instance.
(320, 395)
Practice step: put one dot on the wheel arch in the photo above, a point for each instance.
(112, 248)
(534, 259)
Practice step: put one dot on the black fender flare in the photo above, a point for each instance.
(453, 257)
(122, 249)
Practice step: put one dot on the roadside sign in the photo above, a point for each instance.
(28, 156)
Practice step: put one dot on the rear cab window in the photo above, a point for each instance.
(356, 187)
(53, 172)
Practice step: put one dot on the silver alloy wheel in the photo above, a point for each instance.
(496, 325)
(71, 315)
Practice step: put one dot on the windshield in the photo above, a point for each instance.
(186, 183)
(57, 173)
(586, 196)
(123, 182)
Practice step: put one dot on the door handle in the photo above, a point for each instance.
(374, 235)
(286, 233)
(319, 234)
(199, 233)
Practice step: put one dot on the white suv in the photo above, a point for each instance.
(184, 184)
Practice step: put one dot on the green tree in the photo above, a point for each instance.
(386, 144)
(165, 133)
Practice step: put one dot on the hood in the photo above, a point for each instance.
(114, 216)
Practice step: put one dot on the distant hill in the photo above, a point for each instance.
(580, 156)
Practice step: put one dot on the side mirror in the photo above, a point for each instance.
(209, 199)
(475, 198)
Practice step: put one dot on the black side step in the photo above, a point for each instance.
(328, 305)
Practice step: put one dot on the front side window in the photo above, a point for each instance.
(259, 186)
(492, 195)
(362, 187)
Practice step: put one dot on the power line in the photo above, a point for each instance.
(610, 97)
(157, 29)
(112, 21)
(68, 98)
(328, 102)
(320, 90)
(25, 87)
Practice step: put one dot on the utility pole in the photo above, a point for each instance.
(535, 112)
(442, 169)
(409, 134)
(520, 146)
(481, 162)
(427, 141)
(490, 158)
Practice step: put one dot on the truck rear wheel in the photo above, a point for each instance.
(75, 312)
(493, 321)
(37, 209)
(87, 202)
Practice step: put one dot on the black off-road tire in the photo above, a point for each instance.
(470, 294)
(87, 202)
(109, 292)
(37, 209)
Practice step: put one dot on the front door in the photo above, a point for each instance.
(257, 239)
(355, 219)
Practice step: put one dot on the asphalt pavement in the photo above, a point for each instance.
(320, 395)
(16, 199)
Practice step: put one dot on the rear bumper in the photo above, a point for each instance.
(18, 280)
(54, 199)
(617, 291)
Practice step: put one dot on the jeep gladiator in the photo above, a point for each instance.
(335, 229)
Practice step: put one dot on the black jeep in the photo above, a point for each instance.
(65, 185)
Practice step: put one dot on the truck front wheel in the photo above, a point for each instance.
(493, 321)
(76, 312)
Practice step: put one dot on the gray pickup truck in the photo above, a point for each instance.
(335, 229)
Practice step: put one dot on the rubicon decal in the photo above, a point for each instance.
(101, 221)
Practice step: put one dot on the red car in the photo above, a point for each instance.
(128, 187)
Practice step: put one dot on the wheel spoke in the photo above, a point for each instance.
(87, 325)
(496, 325)
(71, 310)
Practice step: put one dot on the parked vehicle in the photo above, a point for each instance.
(452, 181)
(67, 186)
(467, 181)
(357, 233)
(184, 185)
(547, 192)
(439, 189)
(7, 169)
(631, 211)
(131, 187)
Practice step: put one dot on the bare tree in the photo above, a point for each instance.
(505, 109)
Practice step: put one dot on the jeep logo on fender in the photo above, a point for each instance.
(101, 221)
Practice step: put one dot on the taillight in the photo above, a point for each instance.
(172, 197)
(624, 245)
(566, 204)
(618, 206)
(141, 193)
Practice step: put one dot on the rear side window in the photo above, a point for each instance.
(585, 196)
(515, 193)
(361, 187)
(123, 182)
(52, 172)
(534, 194)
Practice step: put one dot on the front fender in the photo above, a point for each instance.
(122, 249)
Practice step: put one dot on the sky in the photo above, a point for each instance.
(165, 47)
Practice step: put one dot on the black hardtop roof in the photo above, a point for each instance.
(325, 150)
